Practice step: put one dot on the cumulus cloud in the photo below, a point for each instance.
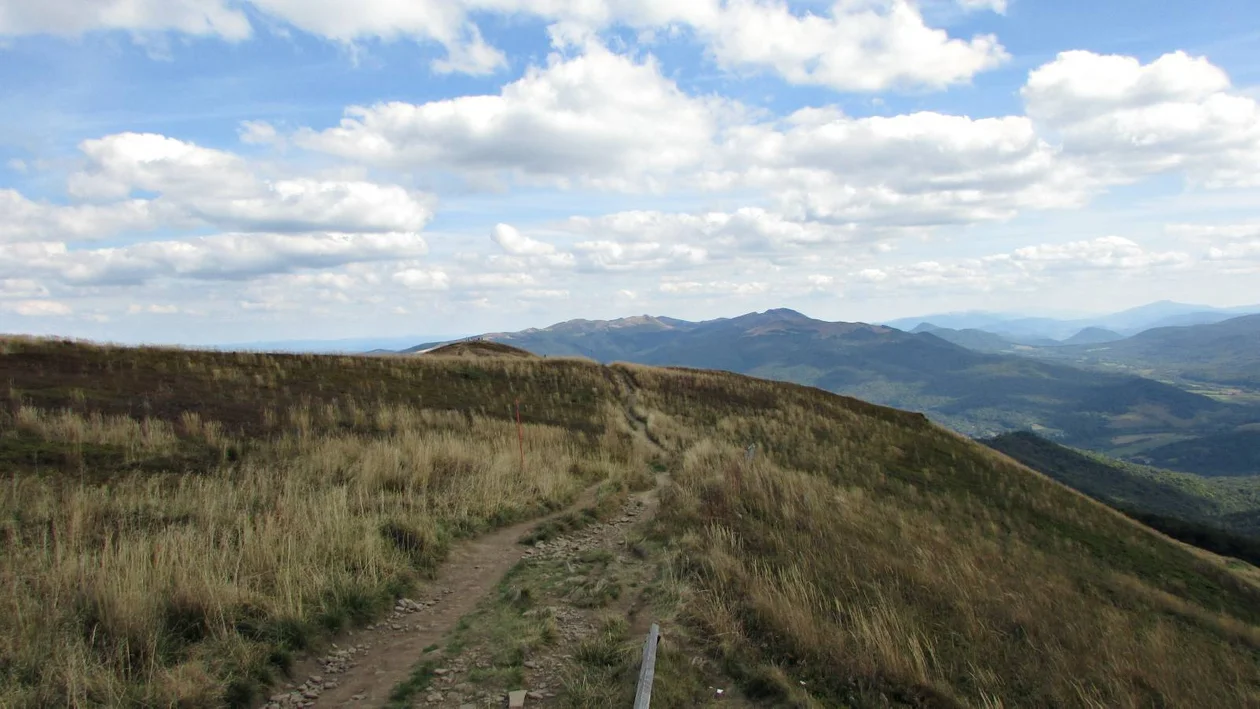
(21, 288)
(218, 257)
(517, 244)
(37, 308)
(1126, 119)
(1227, 245)
(198, 185)
(713, 288)
(152, 309)
(861, 45)
(441, 21)
(217, 18)
(1027, 266)
(27, 220)
(258, 133)
(641, 240)
(1113, 253)
(583, 118)
(910, 170)
(423, 279)
(998, 6)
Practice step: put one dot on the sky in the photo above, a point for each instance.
(217, 171)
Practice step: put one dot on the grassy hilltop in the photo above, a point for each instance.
(176, 526)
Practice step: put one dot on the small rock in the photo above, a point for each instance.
(441, 671)
(534, 695)
(531, 664)
(516, 699)
(359, 697)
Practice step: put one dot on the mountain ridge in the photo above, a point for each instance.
(974, 392)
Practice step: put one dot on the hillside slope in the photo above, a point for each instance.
(972, 392)
(1222, 501)
(179, 524)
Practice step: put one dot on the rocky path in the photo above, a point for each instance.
(363, 667)
(572, 576)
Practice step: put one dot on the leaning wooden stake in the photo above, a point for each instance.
(643, 696)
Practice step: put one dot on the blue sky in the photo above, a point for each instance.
(206, 171)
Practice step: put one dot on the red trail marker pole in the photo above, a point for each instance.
(520, 434)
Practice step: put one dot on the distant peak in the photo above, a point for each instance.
(786, 313)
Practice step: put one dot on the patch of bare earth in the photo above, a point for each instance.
(566, 625)
(363, 666)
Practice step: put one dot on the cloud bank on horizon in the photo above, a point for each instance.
(223, 170)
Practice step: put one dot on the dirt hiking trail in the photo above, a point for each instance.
(362, 666)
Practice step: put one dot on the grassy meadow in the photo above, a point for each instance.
(866, 558)
(176, 525)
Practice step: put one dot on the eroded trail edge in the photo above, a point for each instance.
(362, 666)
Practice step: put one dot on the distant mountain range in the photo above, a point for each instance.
(1226, 352)
(1038, 330)
(973, 392)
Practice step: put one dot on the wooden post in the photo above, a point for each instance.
(520, 434)
(643, 695)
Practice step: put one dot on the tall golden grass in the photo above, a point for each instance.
(866, 562)
(195, 587)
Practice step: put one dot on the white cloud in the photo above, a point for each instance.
(615, 256)
(909, 170)
(25, 220)
(1113, 253)
(998, 6)
(1225, 244)
(746, 229)
(598, 118)
(713, 288)
(121, 163)
(423, 279)
(21, 288)
(75, 17)
(258, 133)
(862, 45)
(517, 244)
(1027, 267)
(494, 281)
(219, 257)
(1126, 120)
(544, 294)
(857, 45)
(201, 187)
(37, 308)
(441, 21)
(152, 309)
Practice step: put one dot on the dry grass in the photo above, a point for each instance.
(166, 583)
(858, 561)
